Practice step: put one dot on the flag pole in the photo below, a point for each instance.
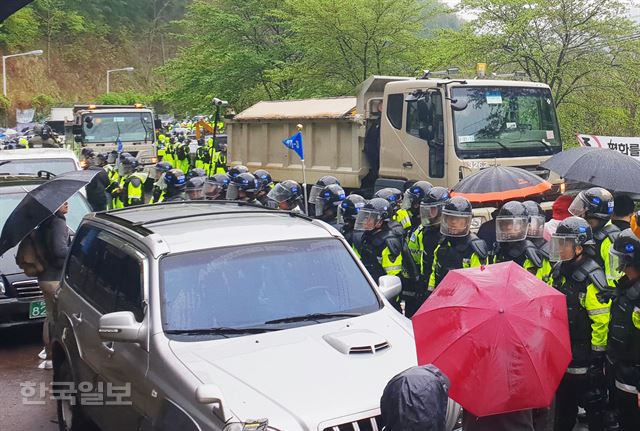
(304, 179)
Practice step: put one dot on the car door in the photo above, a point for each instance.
(86, 295)
(124, 365)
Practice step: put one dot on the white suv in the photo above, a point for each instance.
(214, 313)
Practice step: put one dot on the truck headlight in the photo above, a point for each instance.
(3, 291)
(249, 425)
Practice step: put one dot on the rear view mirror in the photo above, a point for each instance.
(120, 326)
(390, 286)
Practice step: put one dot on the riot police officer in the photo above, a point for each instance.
(215, 188)
(537, 219)
(458, 247)
(286, 196)
(596, 206)
(623, 346)
(327, 202)
(378, 244)
(583, 282)
(347, 213)
(130, 191)
(159, 185)
(237, 170)
(243, 187)
(265, 184)
(422, 244)
(394, 197)
(413, 197)
(195, 188)
(317, 188)
(176, 182)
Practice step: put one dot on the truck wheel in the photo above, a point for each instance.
(70, 414)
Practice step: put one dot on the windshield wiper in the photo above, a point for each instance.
(219, 331)
(507, 149)
(312, 316)
(540, 141)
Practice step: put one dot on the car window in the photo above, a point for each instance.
(32, 166)
(104, 274)
(78, 208)
(249, 285)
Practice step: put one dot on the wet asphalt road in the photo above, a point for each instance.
(19, 361)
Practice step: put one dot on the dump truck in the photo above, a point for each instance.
(435, 129)
(100, 127)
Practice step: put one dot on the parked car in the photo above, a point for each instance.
(21, 301)
(31, 161)
(205, 315)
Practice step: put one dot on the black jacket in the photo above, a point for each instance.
(96, 189)
(57, 240)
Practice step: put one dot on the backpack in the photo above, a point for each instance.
(31, 254)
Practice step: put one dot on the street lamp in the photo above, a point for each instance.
(4, 66)
(124, 69)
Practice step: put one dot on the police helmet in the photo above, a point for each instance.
(216, 186)
(163, 167)
(175, 179)
(288, 191)
(390, 195)
(328, 199)
(100, 159)
(456, 217)
(414, 194)
(537, 219)
(237, 170)
(350, 207)
(432, 204)
(571, 232)
(593, 203)
(112, 157)
(128, 165)
(512, 222)
(196, 172)
(195, 188)
(319, 185)
(245, 183)
(373, 212)
(264, 178)
(625, 251)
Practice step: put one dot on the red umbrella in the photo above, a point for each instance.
(499, 334)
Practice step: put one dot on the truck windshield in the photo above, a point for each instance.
(505, 122)
(107, 127)
(271, 286)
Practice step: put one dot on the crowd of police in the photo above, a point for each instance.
(423, 233)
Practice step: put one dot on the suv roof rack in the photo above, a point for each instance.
(139, 225)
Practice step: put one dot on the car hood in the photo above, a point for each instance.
(299, 378)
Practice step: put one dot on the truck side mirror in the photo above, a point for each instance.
(76, 129)
(157, 124)
(459, 105)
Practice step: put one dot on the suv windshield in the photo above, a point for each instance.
(32, 166)
(129, 126)
(262, 285)
(505, 122)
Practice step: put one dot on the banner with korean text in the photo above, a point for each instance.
(628, 146)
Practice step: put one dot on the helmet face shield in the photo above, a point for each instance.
(579, 206)
(536, 227)
(279, 193)
(511, 229)
(454, 224)
(367, 219)
(315, 192)
(319, 206)
(195, 194)
(431, 214)
(233, 192)
(562, 248)
(212, 190)
(618, 261)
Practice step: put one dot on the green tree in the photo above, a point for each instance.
(19, 30)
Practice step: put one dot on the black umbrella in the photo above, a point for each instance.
(598, 166)
(500, 183)
(39, 204)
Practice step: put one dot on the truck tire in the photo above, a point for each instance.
(70, 416)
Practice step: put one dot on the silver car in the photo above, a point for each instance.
(220, 316)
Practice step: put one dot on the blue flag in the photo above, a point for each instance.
(295, 143)
(119, 143)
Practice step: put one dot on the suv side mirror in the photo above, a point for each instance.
(120, 326)
(390, 286)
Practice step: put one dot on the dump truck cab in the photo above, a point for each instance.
(99, 127)
(442, 130)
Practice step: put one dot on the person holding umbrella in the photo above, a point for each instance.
(458, 248)
(623, 346)
(583, 281)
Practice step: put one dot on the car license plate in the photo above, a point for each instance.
(37, 309)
